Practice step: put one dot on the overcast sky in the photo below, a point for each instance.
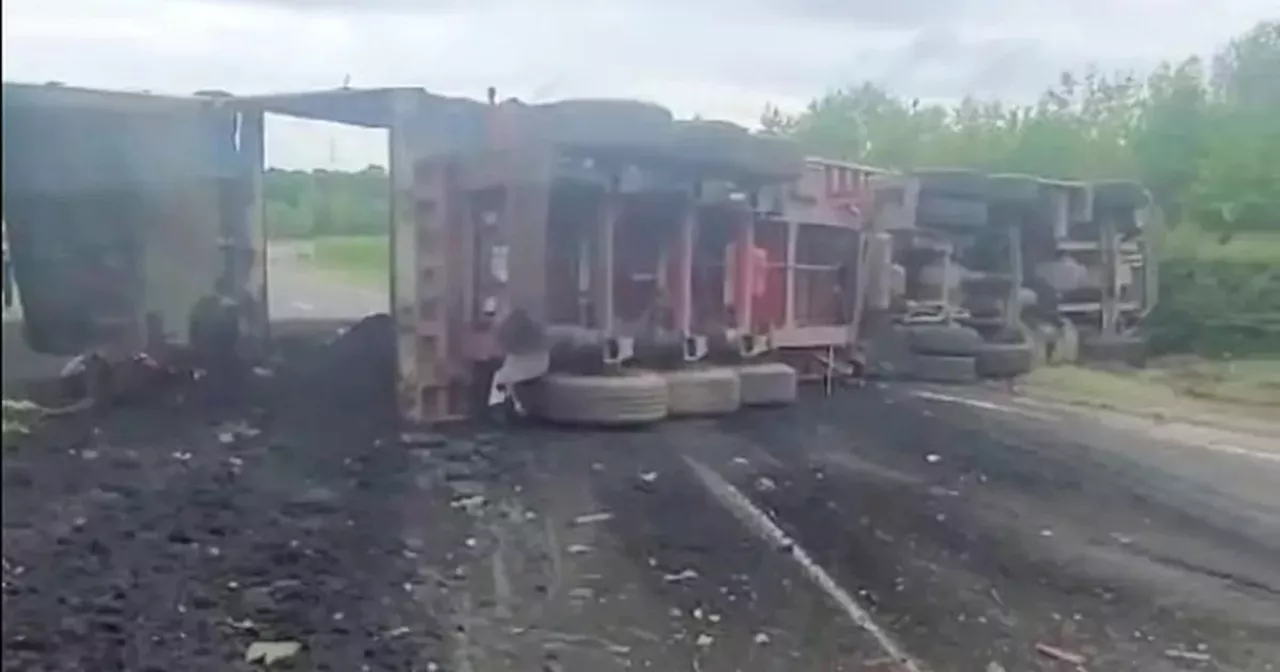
(719, 58)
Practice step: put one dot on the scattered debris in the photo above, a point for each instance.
(761, 638)
(678, 577)
(269, 653)
(933, 458)
(578, 549)
(592, 518)
(468, 503)
(423, 439)
(993, 666)
(765, 484)
(704, 640)
(648, 476)
(234, 431)
(1060, 654)
(1196, 656)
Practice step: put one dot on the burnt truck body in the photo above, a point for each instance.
(123, 211)
(608, 236)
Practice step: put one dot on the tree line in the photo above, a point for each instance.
(307, 204)
(1203, 135)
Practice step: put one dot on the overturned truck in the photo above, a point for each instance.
(1000, 272)
(594, 261)
(624, 264)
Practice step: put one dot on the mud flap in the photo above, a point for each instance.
(517, 368)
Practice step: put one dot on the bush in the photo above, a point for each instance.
(1217, 306)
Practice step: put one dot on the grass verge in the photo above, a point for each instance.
(363, 259)
(1175, 387)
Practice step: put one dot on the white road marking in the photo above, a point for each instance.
(762, 526)
(1245, 452)
(1181, 433)
(984, 405)
(1209, 439)
(301, 305)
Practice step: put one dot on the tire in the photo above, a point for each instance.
(768, 384)
(1119, 195)
(603, 122)
(1013, 189)
(709, 141)
(773, 158)
(944, 369)
(1131, 350)
(944, 211)
(703, 391)
(575, 350)
(931, 339)
(960, 182)
(1004, 360)
(632, 399)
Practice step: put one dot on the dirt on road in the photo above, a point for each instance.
(874, 530)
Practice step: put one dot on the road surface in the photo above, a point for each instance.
(297, 291)
(890, 528)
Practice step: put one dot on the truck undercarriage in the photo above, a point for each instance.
(564, 253)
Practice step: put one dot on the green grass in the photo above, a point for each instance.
(363, 259)
(1189, 242)
(1169, 387)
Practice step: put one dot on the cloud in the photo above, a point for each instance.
(714, 57)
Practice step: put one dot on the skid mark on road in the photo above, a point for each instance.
(762, 526)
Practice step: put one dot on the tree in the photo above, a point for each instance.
(1238, 183)
(325, 203)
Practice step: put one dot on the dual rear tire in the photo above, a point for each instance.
(637, 398)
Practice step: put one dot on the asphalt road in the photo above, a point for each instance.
(898, 528)
(297, 291)
(889, 528)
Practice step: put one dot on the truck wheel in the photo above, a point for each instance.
(1004, 360)
(775, 157)
(703, 391)
(768, 384)
(608, 122)
(944, 210)
(1131, 350)
(1013, 189)
(631, 399)
(718, 142)
(960, 182)
(944, 369)
(938, 339)
(1118, 195)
